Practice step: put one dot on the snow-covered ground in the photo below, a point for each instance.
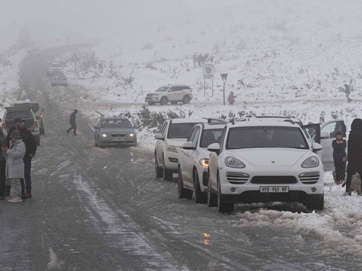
(282, 58)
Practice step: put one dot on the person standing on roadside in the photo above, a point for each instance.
(14, 165)
(72, 122)
(339, 157)
(2, 166)
(354, 152)
(31, 146)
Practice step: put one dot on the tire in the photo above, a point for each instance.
(42, 131)
(222, 206)
(181, 191)
(211, 198)
(151, 103)
(158, 170)
(186, 99)
(164, 101)
(318, 204)
(167, 174)
(198, 195)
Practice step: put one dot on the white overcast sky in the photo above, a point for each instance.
(84, 19)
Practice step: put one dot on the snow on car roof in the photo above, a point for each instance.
(264, 122)
(190, 120)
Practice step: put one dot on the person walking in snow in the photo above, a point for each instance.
(72, 121)
(354, 152)
(347, 90)
(339, 157)
(14, 165)
(231, 97)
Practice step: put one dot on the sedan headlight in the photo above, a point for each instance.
(131, 135)
(204, 162)
(234, 162)
(106, 135)
(310, 162)
(171, 148)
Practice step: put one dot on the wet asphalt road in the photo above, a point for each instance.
(103, 209)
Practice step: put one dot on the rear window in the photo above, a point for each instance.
(265, 137)
(22, 114)
(180, 130)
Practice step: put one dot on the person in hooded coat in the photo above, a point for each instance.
(354, 152)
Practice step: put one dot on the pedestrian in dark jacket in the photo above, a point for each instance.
(354, 153)
(2, 166)
(72, 122)
(339, 157)
(31, 146)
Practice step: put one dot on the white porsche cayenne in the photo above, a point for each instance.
(264, 161)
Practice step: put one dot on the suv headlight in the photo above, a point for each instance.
(204, 162)
(234, 162)
(171, 148)
(310, 162)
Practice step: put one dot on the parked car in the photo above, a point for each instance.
(38, 112)
(193, 161)
(54, 67)
(59, 79)
(170, 93)
(27, 115)
(113, 132)
(264, 161)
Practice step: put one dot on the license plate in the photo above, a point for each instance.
(118, 139)
(274, 189)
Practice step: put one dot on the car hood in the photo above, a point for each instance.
(117, 130)
(271, 156)
(177, 142)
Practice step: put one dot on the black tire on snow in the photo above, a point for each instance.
(211, 197)
(222, 206)
(181, 191)
(163, 101)
(158, 170)
(186, 99)
(199, 196)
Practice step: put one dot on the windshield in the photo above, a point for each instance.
(210, 136)
(265, 137)
(116, 123)
(180, 130)
(162, 89)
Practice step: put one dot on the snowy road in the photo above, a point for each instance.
(103, 209)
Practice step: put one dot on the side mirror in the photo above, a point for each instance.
(188, 146)
(316, 147)
(325, 135)
(159, 136)
(214, 147)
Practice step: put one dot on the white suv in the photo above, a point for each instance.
(194, 160)
(264, 161)
(172, 136)
(170, 93)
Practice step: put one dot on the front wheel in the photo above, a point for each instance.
(198, 195)
(167, 174)
(163, 101)
(181, 191)
(222, 206)
(317, 204)
(158, 170)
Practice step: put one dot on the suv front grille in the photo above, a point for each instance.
(309, 177)
(118, 135)
(237, 177)
(273, 179)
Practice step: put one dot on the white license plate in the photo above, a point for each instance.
(118, 139)
(274, 189)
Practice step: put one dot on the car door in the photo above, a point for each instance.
(171, 94)
(160, 144)
(328, 134)
(313, 132)
(189, 156)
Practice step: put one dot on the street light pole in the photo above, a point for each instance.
(224, 76)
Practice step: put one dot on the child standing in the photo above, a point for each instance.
(339, 157)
